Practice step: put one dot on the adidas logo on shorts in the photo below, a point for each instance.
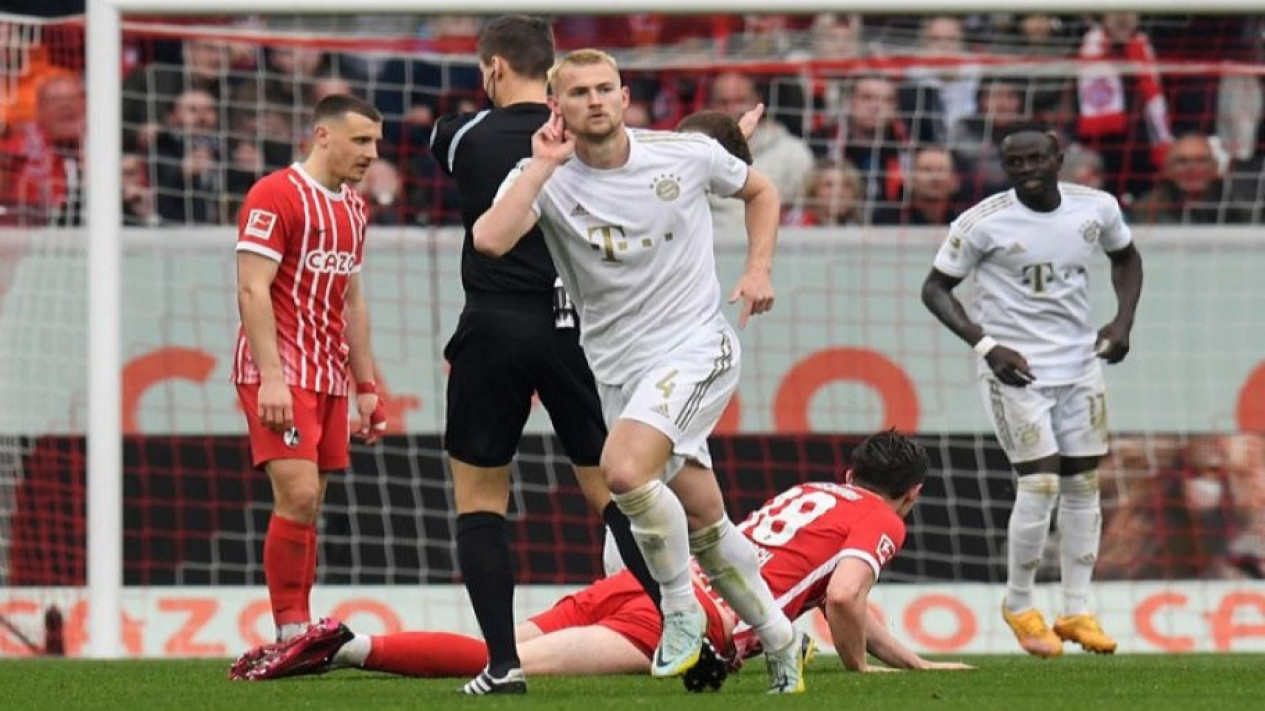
(579, 211)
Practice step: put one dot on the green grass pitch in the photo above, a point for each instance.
(1075, 682)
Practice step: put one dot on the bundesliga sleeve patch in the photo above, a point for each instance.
(260, 223)
(886, 549)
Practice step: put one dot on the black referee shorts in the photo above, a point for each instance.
(505, 349)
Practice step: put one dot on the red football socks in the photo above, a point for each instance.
(286, 568)
(427, 654)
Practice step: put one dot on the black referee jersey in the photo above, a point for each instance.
(478, 150)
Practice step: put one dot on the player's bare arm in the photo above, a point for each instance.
(511, 215)
(764, 207)
(887, 649)
(360, 358)
(1126, 279)
(847, 609)
(1008, 365)
(255, 274)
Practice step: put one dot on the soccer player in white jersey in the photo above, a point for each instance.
(626, 220)
(1030, 250)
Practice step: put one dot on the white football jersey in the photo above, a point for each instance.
(634, 246)
(1031, 274)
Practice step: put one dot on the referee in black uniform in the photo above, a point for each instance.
(517, 335)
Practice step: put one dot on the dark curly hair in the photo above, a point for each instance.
(720, 126)
(889, 463)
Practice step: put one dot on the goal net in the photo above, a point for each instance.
(881, 129)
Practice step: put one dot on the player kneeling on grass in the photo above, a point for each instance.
(823, 544)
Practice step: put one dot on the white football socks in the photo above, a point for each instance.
(291, 630)
(1080, 530)
(1035, 497)
(354, 652)
(660, 528)
(730, 562)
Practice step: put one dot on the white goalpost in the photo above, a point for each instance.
(104, 215)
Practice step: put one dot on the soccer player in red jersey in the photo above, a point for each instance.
(304, 324)
(822, 545)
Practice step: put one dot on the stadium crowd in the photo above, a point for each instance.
(872, 121)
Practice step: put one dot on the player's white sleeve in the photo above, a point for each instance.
(958, 254)
(511, 178)
(726, 174)
(1116, 234)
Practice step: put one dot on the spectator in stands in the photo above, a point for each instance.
(1185, 510)
(937, 96)
(784, 158)
(187, 157)
(27, 65)
(260, 139)
(1123, 117)
(832, 198)
(835, 36)
(138, 199)
(298, 63)
(409, 90)
(975, 139)
(150, 91)
(930, 192)
(869, 135)
(329, 86)
(1191, 190)
(1082, 166)
(383, 187)
(637, 115)
(41, 161)
(765, 36)
(1049, 97)
(799, 104)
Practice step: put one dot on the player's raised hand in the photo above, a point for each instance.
(1010, 367)
(276, 406)
(1113, 342)
(748, 121)
(756, 291)
(553, 142)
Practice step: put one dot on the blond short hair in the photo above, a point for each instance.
(580, 58)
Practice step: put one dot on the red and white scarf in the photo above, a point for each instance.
(1102, 94)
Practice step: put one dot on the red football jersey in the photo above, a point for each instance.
(803, 533)
(318, 236)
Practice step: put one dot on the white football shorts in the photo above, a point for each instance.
(1040, 421)
(683, 397)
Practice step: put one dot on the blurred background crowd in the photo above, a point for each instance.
(874, 120)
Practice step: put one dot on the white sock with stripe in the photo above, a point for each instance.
(730, 562)
(659, 526)
(1080, 530)
(1035, 497)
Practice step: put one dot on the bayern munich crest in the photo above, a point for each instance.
(1090, 231)
(667, 187)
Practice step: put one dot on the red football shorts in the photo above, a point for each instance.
(321, 432)
(619, 604)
